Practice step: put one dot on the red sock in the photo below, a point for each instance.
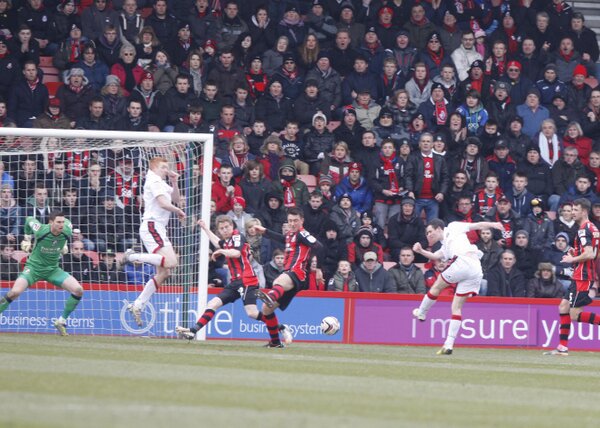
(276, 292)
(206, 317)
(589, 317)
(565, 328)
(273, 326)
(431, 296)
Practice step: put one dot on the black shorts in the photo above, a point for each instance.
(236, 290)
(577, 299)
(287, 297)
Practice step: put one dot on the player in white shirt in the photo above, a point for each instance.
(464, 269)
(159, 198)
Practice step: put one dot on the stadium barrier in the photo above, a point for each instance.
(366, 318)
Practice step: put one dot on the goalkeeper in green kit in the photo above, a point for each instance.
(51, 242)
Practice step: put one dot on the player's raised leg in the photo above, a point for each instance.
(430, 298)
(75, 289)
(282, 284)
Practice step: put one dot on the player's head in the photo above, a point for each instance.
(56, 220)
(581, 209)
(435, 230)
(295, 219)
(224, 225)
(159, 166)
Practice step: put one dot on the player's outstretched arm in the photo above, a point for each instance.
(165, 204)
(486, 225)
(418, 248)
(175, 195)
(214, 239)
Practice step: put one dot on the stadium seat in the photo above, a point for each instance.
(46, 61)
(94, 256)
(19, 255)
(51, 74)
(309, 180)
(84, 4)
(53, 87)
(388, 265)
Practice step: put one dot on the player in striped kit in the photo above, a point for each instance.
(158, 202)
(244, 282)
(463, 269)
(584, 285)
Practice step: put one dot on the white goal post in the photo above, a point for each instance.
(183, 151)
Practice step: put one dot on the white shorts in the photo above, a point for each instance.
(466, 273)
(154, 236)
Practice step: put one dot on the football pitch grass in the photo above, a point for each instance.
(79, 381)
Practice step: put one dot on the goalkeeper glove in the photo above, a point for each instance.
(26, 243)
(65, 249)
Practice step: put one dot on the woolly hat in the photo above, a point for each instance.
(522, 233)
(515, 64)
(408, 200)
(147, 76)
(111, 79)
(239, 200)
(325, 178)
(580, 69)
(355, 166)
(563, 235)
(319, 115)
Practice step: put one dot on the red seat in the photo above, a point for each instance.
(94, 256)
(53, 87)
(309, 180)
(46, 61)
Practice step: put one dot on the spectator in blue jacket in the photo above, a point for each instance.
(357, 187)
(532, 112)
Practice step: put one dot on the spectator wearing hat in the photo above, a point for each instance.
(518, 143)
(318, 142)
(347, 22)
(502, 164)
(565, 222)
(567, 58)
(115, 102)
(502, 211)
(328, 80)
(434, 56)
(151, 100)
(109, 221)
(419, 85)
(584, 38)
(518, 84)
(360, 80)
(75, 95)
(385, 128)
(579, 92)
(437, 108)
(238, 214)
(465, 55)
(554, 255)
(387, 182)
(362, 243)
(509, 34)
(538, 173)
(350, 130)
(256, 79)
(539, 227)
(367, 110)
(309, 103)
(53, 118)
(345, 217)
(372, 277)
(292, 26)
(70, 49)
(476, 79)
(532, 112)
(550, 85)
(93, 68)
(326, 188)
(405, 229)
(528, 256)
(27, 97)
(108, 270)
(187, 40)
(108, 45)
(500, 106)
(372, 50)
(8, 17)
(506, 280)
(404, 53)
(274, 108)
(367, 221)
(545, 284)
(562, 114)
(293, 191)
(356, 185)
(271, 156)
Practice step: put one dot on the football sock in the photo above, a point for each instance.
(206, 317)
(259, 317)
(153, 259)
(70, 305)
(564, 329)
(427, 303)
(453, 329)
(273, 326)
(149, 289)
(4, 302)
(589, 317)
(276, 292)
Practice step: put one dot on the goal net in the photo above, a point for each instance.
(96, 179)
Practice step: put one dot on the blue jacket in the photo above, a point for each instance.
(96, 74)
(361, 195)
(532, 121)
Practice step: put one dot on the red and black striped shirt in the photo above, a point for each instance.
(297, 252)
(240, 267)
(587, 235)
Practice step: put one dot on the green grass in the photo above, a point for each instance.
(49, 381)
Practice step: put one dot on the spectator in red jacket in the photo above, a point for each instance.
(225, 189)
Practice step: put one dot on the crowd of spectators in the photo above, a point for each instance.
(400, 111)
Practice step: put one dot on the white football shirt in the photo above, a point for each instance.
(455, 242)
(153, 188)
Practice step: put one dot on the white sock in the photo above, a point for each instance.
(146, 294)
(426, 304)
(153, 259)
(453, 330)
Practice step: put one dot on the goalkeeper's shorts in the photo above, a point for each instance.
(54, 276)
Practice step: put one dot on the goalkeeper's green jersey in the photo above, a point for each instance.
(47, 250)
